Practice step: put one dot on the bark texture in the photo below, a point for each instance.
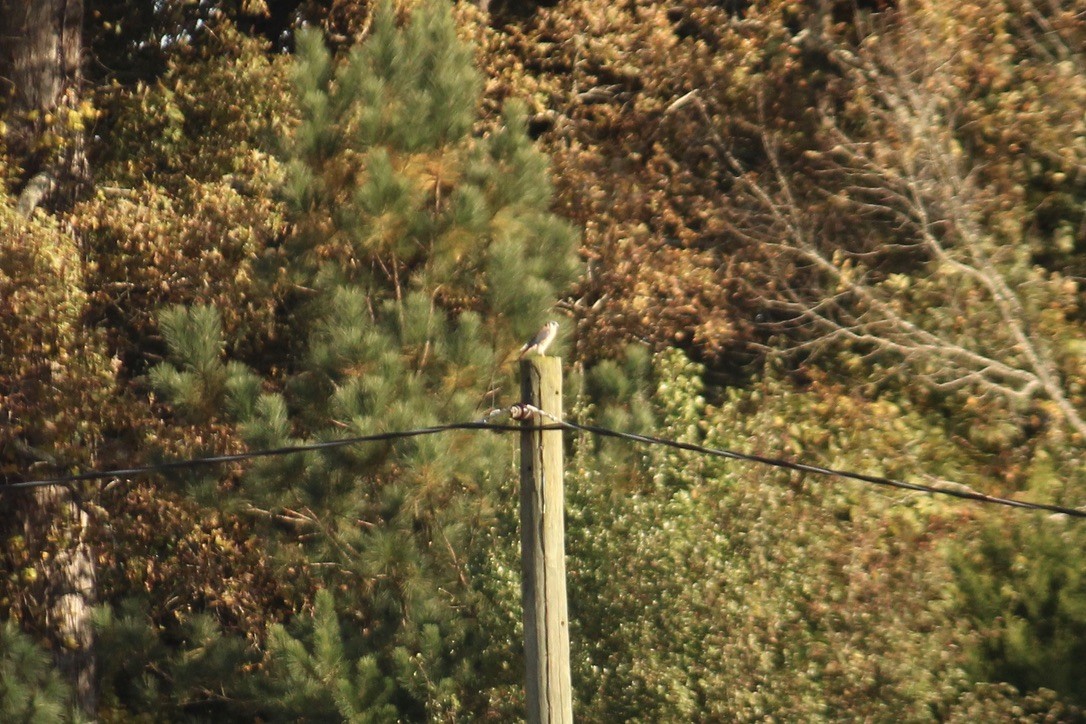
(40, 56)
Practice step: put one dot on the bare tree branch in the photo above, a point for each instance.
(910, 175)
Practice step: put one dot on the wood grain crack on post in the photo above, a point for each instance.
(542, 540)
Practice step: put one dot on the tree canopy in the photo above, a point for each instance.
(850, 234)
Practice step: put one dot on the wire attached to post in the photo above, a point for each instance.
(521, 412)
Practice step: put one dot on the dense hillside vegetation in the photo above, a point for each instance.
(847, 233)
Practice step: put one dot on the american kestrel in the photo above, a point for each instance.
(542, 339)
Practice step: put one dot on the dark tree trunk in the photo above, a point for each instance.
(54, 524)
(40, 55)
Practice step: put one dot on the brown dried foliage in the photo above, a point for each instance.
(639, 167)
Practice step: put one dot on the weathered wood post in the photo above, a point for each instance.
(542, 545)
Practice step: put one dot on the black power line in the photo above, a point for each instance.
(519, 412)
(286, 450)
(959, 491)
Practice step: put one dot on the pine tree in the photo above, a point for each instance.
(31, 690)
(1026, 594)
(423, 251)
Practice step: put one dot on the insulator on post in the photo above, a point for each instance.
(521, 411)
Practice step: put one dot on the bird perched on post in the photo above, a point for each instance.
(542, 339)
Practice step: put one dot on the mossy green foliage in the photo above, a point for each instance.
(705, 588)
